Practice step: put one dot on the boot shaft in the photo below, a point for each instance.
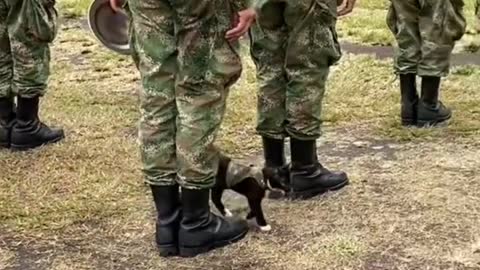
(408, 88)
(430, 90)
(409, 99)
(304, 153)
(196, 207)
(7, 111)
(166, 199)
(167, 204)
(274, 152)
(27, 110)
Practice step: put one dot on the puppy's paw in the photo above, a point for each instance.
(266, 228)
(253, 223)
(228, 213)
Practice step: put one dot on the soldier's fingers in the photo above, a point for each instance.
(236, 32)
(349, 7)
(344, 11)
(244, 29)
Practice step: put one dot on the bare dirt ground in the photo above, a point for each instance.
(413, 202)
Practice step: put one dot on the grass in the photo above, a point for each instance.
(81, 204)
(74, 8)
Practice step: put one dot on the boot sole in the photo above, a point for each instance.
(18, 147)
(188, 252)
(167, 251)
(4, 146)
(422, 123)
(409, 121)
(308, 194)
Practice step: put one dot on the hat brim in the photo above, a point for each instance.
(113, 38)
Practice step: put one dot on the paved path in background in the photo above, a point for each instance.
(384, 52)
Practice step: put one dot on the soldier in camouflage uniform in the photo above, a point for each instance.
(426, 31)
(293, 46)
(26, 29)
(187, 66)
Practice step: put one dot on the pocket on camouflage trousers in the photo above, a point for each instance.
(324, 34)
(454, 22)
(392, 19)
(41, 19)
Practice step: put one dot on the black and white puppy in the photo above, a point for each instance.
(249, 181)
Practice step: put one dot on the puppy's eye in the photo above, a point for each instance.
(251, 165)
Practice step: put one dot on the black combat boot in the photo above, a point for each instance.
(7, 120)
(202, 231)
(430, 110)
(167, 203)
(409, 97)
(275, 164)
(308, 177)
(28, 132)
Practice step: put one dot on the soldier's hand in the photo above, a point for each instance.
(347, 7)
(116, 5)
(242, 23)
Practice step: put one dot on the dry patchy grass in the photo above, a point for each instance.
(81, 204)
(6, 258)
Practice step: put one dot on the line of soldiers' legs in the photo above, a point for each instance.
(181, 117)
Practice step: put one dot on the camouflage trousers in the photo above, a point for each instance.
(293, 46)
(426, 32)
(26, 29)
(187, 67)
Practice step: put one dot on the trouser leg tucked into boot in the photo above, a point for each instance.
(409, 99)
(431, 111)
(167, 203)
(202, 231)
(308, 177)
(276, 171)
(29, 132)
(7, 120)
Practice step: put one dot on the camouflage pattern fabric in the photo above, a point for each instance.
(426, 32)
(26, 29)
(293, 46)
(186, 67)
